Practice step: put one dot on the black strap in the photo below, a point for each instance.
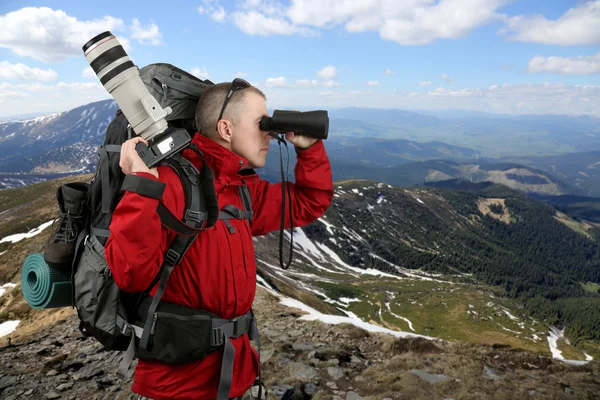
(113, 148)
(231, 212)
(280, 139)
(144, 186)
(105, 179)
(172, 258)
(202, 196)
(99, 232)
(181, 243)
(246, 199)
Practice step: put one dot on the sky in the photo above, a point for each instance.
(499, 56)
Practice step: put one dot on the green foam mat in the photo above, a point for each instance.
(44, 286)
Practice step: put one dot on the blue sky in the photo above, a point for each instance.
(505, 56)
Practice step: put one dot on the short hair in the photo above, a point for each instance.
(210, 104)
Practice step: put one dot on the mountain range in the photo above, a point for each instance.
(47, 147)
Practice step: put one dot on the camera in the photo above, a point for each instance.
(120, 77)
(308, 123)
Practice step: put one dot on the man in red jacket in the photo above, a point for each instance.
(218, 272)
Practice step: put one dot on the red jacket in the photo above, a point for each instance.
(218, 272)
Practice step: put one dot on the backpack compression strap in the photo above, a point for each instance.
(229, 211)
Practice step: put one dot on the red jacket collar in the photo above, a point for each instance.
(225, 163)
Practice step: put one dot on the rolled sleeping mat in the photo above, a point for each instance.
(44, 286)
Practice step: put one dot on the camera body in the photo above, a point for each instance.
(121, 78)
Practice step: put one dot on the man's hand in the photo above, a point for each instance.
(131, 161)
(300, 141)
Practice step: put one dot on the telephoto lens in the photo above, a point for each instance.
(121, 78)
(308, 123)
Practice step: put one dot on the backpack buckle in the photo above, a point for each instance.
(237, 331)
(217, 338)
(191, 173)
(172, 256)
(196, 216)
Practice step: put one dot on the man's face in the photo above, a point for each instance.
(248, 140)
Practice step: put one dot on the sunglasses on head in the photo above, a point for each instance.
(237, 84)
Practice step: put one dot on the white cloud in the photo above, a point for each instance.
(201, 73)
(219, 15)
(38, 97)
(148, 35)
(447, 78)
(549, 98)
(328, 72)
(256, 23)
(51, 35)
(23, 72)
(240, 74)
(372, 83)
(88, 72)
(415, 22)
(388, 72)
(424, 83)
(329, 83)
(455, 93)
(314, 83)
(277, 82)
(307, 82)
(580, 25)
(565, 65)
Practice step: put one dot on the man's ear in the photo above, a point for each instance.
(224, 129)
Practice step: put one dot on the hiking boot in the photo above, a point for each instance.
(72, 201)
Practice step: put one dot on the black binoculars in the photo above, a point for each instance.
(308, 123)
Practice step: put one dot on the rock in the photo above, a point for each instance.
(7, 381)
(71, 366)
(335, 372)
(52, 395)
(266, 355)
(489, 373)
(431, 378)
(337, 398)
(532, 392)
(255, 390)
(303, 346)
(312, 354)
(359, 378)
(355, 360)
(309, 389)
(302, 371)
(353, 396)
(64, 386)
(332, 385)
(52, 372)
(279, 390)
(333, 362)
(93, 372)
(28, 393)
(283, 361)
(568, 390)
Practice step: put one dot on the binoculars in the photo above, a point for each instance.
(309, 123)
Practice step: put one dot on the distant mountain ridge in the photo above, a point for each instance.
(57, 142)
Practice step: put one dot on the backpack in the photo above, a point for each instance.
(138, 323)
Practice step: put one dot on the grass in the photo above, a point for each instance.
(569, 352)
(591, 287)
(451, 312)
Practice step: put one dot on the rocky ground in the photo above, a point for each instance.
(316, 360)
